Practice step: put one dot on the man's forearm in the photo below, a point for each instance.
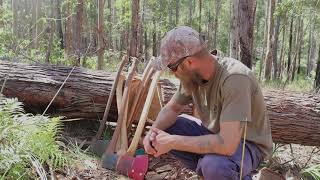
(212, 143)
(166, 118)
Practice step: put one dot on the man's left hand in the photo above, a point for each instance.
(163, 142)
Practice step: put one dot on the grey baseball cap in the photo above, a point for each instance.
(178, 43)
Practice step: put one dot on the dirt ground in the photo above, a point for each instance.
(287, 162)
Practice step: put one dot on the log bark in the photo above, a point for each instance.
(295, 117)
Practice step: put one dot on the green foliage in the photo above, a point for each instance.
(300, 83)
(312, 173)
(26, 139)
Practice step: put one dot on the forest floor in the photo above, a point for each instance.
(287, 162)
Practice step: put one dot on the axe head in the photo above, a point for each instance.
(109, 161)
(125, 163)
(99, 147)
(139, 167)
(133, 167)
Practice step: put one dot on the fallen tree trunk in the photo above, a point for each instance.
(295, 117)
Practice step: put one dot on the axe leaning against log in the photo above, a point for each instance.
(118, 156)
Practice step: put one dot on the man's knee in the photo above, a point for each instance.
(179, 126)
(217, 167)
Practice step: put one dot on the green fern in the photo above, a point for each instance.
(25, 139)
(312, 173)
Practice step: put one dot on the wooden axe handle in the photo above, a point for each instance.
(113, 88)
(123, 140)
(144, 114)
(112, 145)
(138, 94)
(119, 94)
(119, 91)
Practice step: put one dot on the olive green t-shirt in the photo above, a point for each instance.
(233, 94)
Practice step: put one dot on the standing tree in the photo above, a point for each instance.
(35, 26)
(270, 42)
(59, 23)
(317, 78)
(276, 44)
(68, 28)
(301, 42)
(234, 33)
(297, 47)
(200, 10)
(283, 45)
(14, 17)
(265, 39)
(290, 45)
(100, 29)
(190, 12)
(177, 11)
(50, 30)
(216, 22)
(78, 31)
(312, 45)
(133, 52)
(109, 43)
(246, 12)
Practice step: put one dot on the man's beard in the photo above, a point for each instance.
(191, 81)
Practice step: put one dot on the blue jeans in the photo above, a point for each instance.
(214, 166)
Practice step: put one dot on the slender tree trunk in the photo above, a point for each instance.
(134, 28)
(297, 48)
(300, 48)
(1, 3)
(68, 27)
(265, 39)
(276, 44)
(290, 45)
(14, 17)
(35, 13)
(270, 42)
(146, 45)
(246, 25)
(190, 12)
(109, 43)
(79, 21)
(100, 29)
(51, 27)
(170, 14)
(123, 39)
(177, 11)
(59, 23)
(312, 46)
(230, 28)
(234, 35)
(141, 29)
(216, 23)
(154, 40)
(317, 78)
(144, 39)
(200, 13)
(283, 45)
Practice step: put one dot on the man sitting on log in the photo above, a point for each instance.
(229, 103)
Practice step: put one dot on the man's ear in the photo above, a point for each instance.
(190, 62)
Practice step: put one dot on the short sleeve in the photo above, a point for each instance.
(236, 99)
(181, 97)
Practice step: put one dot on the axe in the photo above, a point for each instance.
(146, 76)
(113, 88)
(134, 167)
(134, 144)
(111, 147)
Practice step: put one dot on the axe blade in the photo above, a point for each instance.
(109, 161)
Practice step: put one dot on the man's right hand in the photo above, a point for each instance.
(151, 136)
